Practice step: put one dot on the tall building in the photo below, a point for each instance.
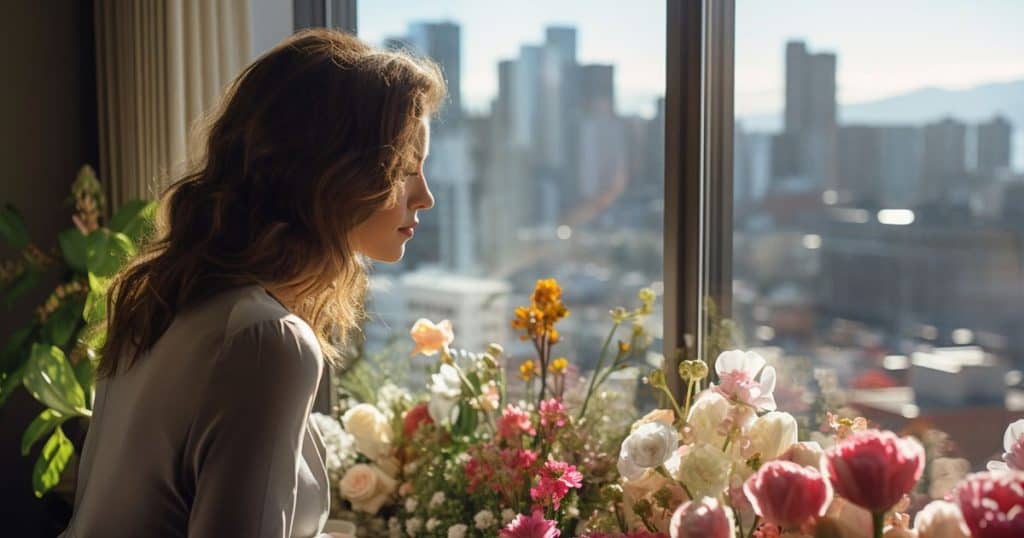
(859, 167)
(943, 166)
(597, 88)
(441, 41)
(899, 162)
(810, 115)
(994, 145)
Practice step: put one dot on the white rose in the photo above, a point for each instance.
(704, 469)
(457, 531)
(941, 519)
(648, 446)
(371, 430)
(484, 519)
(367, 487)
(706, 414)
(772, 434)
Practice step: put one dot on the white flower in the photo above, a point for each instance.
(410, 504)
(648, 446)
(490, 397)
(437, 499)
(704, 469)
(708, 411)
(367, 487)
(945, 474)
(1013, 449)
(507, 515)
(390, 396)
(445, 390)
(339, 444)
(771, 434)
(941, 519)
(371, 430)
(413, 526)
(457, 531)
(432, 524)
(737, 371)
(394, 528)
(484, 519)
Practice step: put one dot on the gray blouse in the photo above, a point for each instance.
(208, 434)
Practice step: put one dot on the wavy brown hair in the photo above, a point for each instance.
(309, 140)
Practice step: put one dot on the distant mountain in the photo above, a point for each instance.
(925, 105)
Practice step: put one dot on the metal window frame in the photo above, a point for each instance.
(340, 14)
(698, 172)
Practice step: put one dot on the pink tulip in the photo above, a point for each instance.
(992, 504)
(788, 494)
(706, 518)
(875, 469)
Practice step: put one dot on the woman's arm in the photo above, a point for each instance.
(246, 441)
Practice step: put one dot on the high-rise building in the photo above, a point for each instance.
(943, 166)
(597, 88)
(859, 167)
(994, 145)
(899, 163)
(441, 41)
(810, 114)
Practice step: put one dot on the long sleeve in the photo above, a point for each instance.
(245, 444)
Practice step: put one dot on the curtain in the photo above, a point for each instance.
(161, 64)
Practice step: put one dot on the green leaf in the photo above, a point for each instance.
(134, 219)
(24, 282)
(108, 251)
(63, 322)
(467, 420)
(85, 370)
(50, 379)
(75, 247)
(51, 463)
(96, 302)
(12, 227)
(42, 425)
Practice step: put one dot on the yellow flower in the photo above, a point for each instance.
(538, 320)
(623, 347)
(527, 370)
(558, 365)
(646, 296)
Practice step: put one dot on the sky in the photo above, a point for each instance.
(885, 47)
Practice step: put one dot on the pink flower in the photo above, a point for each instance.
(706, 518)
(552, 414)
(630, 534)
(737, 370)
(534, 526)
(992, 504)
(500, 471)
(788, 494)
(430, 338)
(1013, 444)
(874, 469)
(556, 479)
(514, 423)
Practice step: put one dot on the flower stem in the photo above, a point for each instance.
(878, 519)
(686, 404)
(597, 369)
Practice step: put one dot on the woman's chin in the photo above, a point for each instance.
(394, 256)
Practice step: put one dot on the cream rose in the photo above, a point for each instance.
(771, 434)
(371, 430)
(367, 487)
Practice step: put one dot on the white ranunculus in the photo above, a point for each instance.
(941, 519)
(445, 390)
(648, 446)
(706, 414)
(772, 434)
(367, 487)
(371, 430)
(705, 470)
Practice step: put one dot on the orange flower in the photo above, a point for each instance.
(527, 370)
(430, 338)
(546, 308)
(558, 365)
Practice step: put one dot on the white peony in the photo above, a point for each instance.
(771, 434)
(371, 430)
(457, 531)
(367, 487)
(648, 446)
(704, 469)
(941, 519)
(445, 390)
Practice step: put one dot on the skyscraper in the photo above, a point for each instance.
(994, 145)
(441, 41)
(810, 114)
(943, 166)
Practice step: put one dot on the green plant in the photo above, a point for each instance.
(54, 355)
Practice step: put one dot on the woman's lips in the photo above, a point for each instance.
(408, 231)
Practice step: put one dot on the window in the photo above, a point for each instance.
(876, 223)
(547, 161)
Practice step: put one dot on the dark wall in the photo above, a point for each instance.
(47, 130)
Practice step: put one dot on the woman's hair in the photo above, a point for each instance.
(308, 142)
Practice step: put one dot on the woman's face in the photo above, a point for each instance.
(382, 237)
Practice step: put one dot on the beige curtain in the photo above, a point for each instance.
(161, 64)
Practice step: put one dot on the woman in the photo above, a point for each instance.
(217, 333)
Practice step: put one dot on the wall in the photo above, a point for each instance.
(47, 102)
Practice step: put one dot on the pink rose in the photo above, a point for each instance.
(788, 494)
(992, 504)
(430, 338)
(875, 469)
(706, 518)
